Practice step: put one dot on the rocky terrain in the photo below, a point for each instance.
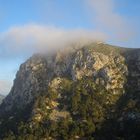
(93, 88)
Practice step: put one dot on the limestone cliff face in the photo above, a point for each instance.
(106, 65)
(108, 70)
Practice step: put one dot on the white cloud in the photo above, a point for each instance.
(110, 25)
(33, 37)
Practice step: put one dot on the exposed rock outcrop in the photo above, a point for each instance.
(34, 76)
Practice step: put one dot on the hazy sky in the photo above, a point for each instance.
(27, 26)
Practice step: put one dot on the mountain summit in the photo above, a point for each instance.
(87, 92)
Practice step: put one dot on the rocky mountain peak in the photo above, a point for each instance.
(34, 76)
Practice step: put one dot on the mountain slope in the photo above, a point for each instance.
(1, 98)
(75, 93)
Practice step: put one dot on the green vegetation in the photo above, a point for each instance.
(95, 114)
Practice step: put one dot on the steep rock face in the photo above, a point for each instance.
(133, 62)
(107, 69)
(30, 79)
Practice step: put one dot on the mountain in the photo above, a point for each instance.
(87, 92)
(1, 98)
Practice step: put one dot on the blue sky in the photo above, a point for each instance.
(64, 16)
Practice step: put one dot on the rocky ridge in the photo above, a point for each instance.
(34, 76)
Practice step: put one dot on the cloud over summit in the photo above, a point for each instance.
(30, 38)
(33, 37)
